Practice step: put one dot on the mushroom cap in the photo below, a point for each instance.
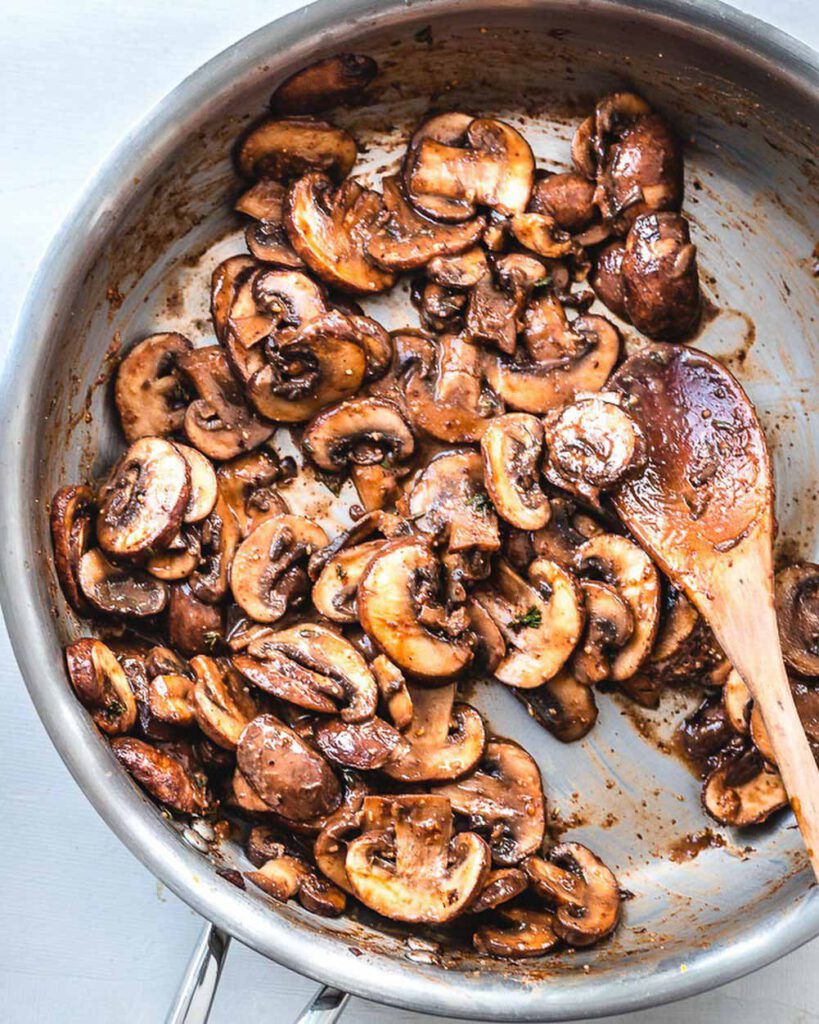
(287, 147)
(192, 623)
(70, 520)
(524, 932)
(607, 280)
(511, 448)
(360, 430)
(119, 591)
(148, 391)
(568, 197)
(363, 745)
(164, 777)
(797, 610)
(745, 791)
(562, 705)
(221, 702)
(324, 84)
(102, 686)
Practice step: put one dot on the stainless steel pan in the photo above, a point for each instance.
(135, 256)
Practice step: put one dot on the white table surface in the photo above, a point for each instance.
(87, 934)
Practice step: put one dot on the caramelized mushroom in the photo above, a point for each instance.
(363, 745)
(168, 700)
(501, 886)
(607, 279)
(563, 705)
(567, 530)
(193, 625)
(541, 233)
(743, 792)
(568, 197)
(219, 536)
(797, 609)
(118, 591)
(449, 129)
(179, 559)
(287, 147)
(362, 431)
(511, 449)
(221, 703)
(246, 485)
(523, 932)
(266, 237)
(393, 691)
(149, 394)
(71, 511)
(286, 876)
(334, 592)
(460, 271)
(164, 776)
(609, 626)
(736, 701)
(324, 84)
(102, 686)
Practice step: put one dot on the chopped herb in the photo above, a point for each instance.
(424, 35)
(114, 709)
(341, 572)
(211, 639)
(530, 619)
(480, 502)
(544, 282)
(724, 424)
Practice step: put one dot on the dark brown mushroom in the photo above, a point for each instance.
(745, 791)
(285, 876)
(607, 279)
(460, 271)
(566, 531)
(522, 932)
(288, 147)
(450, 129)
(609, 626)
(360, 431)
(568, 197)
(377, 486)
(501, 886)
(119, 591)
(164, 776)
(71, 527)
(706, 732)
(365, 746)
(266, 237)
(179, 558)
(511, 449)
(221, 702)
(149, 394)
(193, 625)
(102, 686)
(563, 705)
(168, 698)
(797, 609)
(490, 647)
(324, 84)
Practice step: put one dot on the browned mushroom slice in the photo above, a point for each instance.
(330, 847)
(102, 686)
(168, 699)
(440, 309)
(219, 536)
(797, 609)
(540, 386)
(540, 622)
(540, 233)
(609, 626)
(246, 485)
(143, 502)
(118, 591)
(399, 608)
(744, 792)
(511, 450)
(568, 197)
(404, 240)
(389, 524)
(180, 557)
(71, 511)
(584, 892)
(149, 394)
(685, 648)
(393, 691)
(225, 280)
(219, 422)
(502, 799)
(524, 932)
(285, 678)
(501, 886)
(461, 271)
(490, 647)
(221, 702)
(450, 129)
(362, 431)
(547, 334)
(737, 700)
(202, 484)
(164, 777)
(324, 84)
(607, 279)
(193, 625)
(627, 568)
(334, 592)
(286, 876)
(287, 147)
(377, 487)
(269, 301)
(446, 739)
(492, 316)
(417, 871)
(266, 574)
(497, 169)
(563, 705)
(584, 156)
(661, 287)
(567, 530)
(363, 745)
(330, 230)
(291, 777)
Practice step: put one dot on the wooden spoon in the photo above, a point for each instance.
(702, 506)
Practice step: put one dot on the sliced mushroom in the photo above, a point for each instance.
(331, 230)
(541, 622)
(607, 279)
(490, 647)
(219, 423)
(286, 876)
(225, 280)
(179, 559)
(221, 702)
(417, 871)
(541, 233)
(143, 502)
(685, 648)
(745, 791)
(399, 608)
(266, 575)
(193, 625)
(460, 271)
(149, 394)
(377, 486)
(219, 537)
(568, 197)
(523, 932)
(291, 777)
(582, 889)
(334, 592)
(164, 776)
(71, 512)
(387, 524)
(563, 705)
(627, 568)
(394, 692)
(450, 129)
(609, 626)
(118, 591)
(707, 732)
(501, 886)
(445, 739)
(289, 680)
(288, 147)
(511, 448)
(266, 237)
(269, 303)
(246, 486)
(737, 700)
(202, 484)
(168, 697)
(362, 431)
(365, 746)
(324, 84)
(567, 530)
(797, 609)
(102, 686)
(497, 169)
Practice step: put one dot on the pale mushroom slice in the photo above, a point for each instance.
(334, 592)
(365, 746)
(511, 449)
(142, 503)
(102, 686)
(446, 739)
(393, 691)
(286, 876)
(737, 701)
(497, 170)
(163, 775)
(503, 800)
(563, 706)
(744, 792)
(222, 705)
(119, 591)
(400, 609)
(203, 486)
(541, 621)
(522, 932)
(404, 240)
(583, 891)
(609, 627)
(417, 870)
(266, 235)
(797, 610)
(149, 395)
(626, 567)
(361, 431)
(286, 147)
(70, 519)
(266, 574)
(325, 83)
(448, 128)
(286, 773)
(331, 229)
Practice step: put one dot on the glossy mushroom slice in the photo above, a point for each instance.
(685, 648)
(404, 240)
(495, 311)
(607, 279)
(266, 236)
(661, 288)
(568, 197)
(446, 739)
(219, 422)
(286, 147)
(501, 886)
(324, 84)
(365, 746)
(626, 567)
(417, 870)
(149, 393)
(400, 609)
(118, 591)
(503, 800)
(609, 626)
(583, 891)
(180, 557)
(193, 625)
(219, 537)
(737, 701)
(142, 504)
(203, 488)
(226, 278)
(362, 431)
(541, 621)
(266, 574)
(331, 229)
(567, 530)
(460, 271)
(163, 775)
(71, 527)
(541, 233)
(745, 791)
(393, 691)
(521, 932)
(511, 449)
(167, 698)
(286, 876)
(102, 686)
(222, 705)
(450, 129)
(797, 610)
(335, 590)
(290, 776)
(497, 170)
(246, 485)
(563, 705)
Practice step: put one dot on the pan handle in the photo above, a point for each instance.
(198, 987)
